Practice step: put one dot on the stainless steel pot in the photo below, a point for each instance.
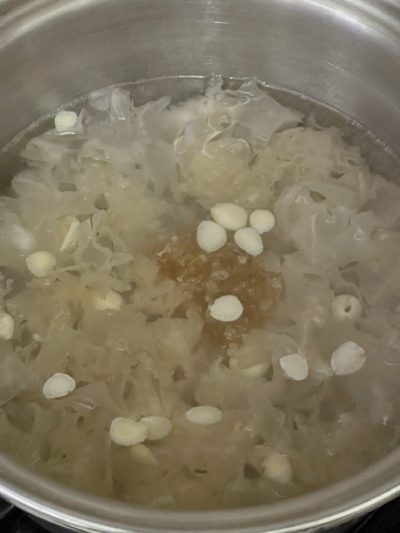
(345, 53)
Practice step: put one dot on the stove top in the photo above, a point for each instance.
(384, 520)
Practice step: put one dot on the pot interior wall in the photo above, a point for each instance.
(338, 52)
(380, 157)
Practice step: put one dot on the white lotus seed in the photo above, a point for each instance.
(71, 237)
(230, 216)
(262, 220)
(211, 236)
(249, 240)
(6, 326)
(58, 386)
(65, 120)
(41, 263)
(127, 432)
(278, 468)
(204, 415)
(110, 301)
(346, 307)
(256, 371)
(294, 366)
(227, 308)
(348, 358)
(158, 427)
(141, 454)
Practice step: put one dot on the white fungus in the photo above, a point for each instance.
(127, 432)
(41, 263)
(164, 500)
(22, 238)
(294, 366)
(348, 358)
(255, 371)
(318, 315)
(158, 427)
(58, 386)
(204, 415)
(6, 326)
(346, 307)
(249, 240)
(278, 468)
(230, 216)
(70, 239)
(110, 301)
(211, 236)
(262, 220)
(65, 121)
(226, 308)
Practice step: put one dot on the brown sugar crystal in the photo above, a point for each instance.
(202, 277)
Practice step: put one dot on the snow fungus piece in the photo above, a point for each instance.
(211, 236)
(249, 240)
(348, 358)
(204, 415)
(128, 432)
(262, 220)
(226, 308)
(58, 385)
(22, 238)
(70, 239)
(294, 366)
(231, 216)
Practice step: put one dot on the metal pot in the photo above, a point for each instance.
(344, 53)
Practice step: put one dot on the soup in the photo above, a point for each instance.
(199, 302)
